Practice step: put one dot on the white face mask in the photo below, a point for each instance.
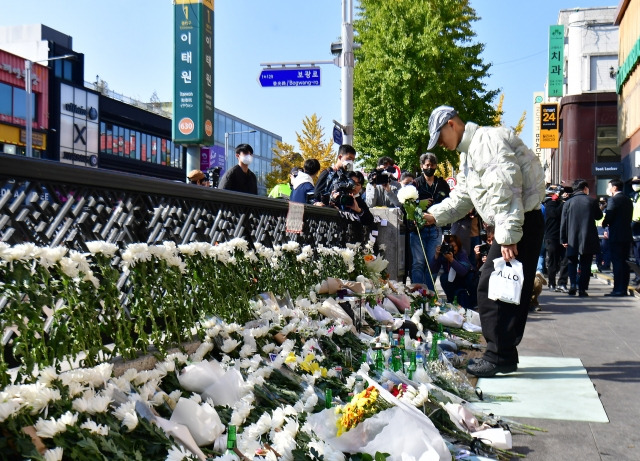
(635, 187)
(246, 159)
(348, 165)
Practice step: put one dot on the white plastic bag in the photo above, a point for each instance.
(201, 419)
(505, 282)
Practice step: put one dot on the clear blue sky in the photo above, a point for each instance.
(129, 44)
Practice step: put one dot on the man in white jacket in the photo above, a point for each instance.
(504, 181)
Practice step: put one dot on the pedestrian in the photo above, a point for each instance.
(432, 189)
(635, 223)
(198, 178)
(303, 189)
(240, 178)
(555, 250)
(504, 181)
(579, 236)
(618, 219)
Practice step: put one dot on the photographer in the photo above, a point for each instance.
(334, 174)
(346, 198)
(481, 251)
(198, 178)
(458, 276)
(382, 188)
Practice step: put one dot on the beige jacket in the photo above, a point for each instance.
(499, 176)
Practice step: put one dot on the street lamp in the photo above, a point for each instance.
(29, 90)
(226, 141)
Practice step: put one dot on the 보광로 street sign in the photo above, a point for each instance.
(299, 76)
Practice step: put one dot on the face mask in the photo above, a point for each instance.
(246, 159)
(635, 187)
(348, 165)
(429, 171)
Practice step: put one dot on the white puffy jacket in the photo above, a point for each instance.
(499, 176)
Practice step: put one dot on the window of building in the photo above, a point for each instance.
(125, 142)
(6, 99)
(607, 149)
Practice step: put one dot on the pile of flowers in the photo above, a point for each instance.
(267, 374)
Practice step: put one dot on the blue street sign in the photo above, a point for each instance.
(299, 76)
(337, 135)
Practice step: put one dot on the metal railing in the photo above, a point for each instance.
(50, 203)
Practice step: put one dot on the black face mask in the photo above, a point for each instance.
(429, 171)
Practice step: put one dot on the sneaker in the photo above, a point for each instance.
(572, 291)
(552, 288)
(483, 369)
(562, 289)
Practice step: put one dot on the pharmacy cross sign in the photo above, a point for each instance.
(297, 76)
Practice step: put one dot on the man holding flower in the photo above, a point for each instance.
(504, 181)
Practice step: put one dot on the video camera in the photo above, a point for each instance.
(344, 186)
(381, 176)
(446, 246)
(214, 176)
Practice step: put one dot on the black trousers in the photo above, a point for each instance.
(583, 262)
(621, 272)
(503, 323)
(555, 254)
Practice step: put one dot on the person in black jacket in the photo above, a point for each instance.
(578, 234)
(336, 172)
(618, 218)
(555, 250)
(240, 178)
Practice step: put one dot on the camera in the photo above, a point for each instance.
(446, 246)
(484, 249)
(214, 176)
(343, 186)
(381, 176)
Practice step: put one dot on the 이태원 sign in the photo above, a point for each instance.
(193, 72)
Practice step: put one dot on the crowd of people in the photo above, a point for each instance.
(499, 208)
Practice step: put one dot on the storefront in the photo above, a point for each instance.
(13, 106)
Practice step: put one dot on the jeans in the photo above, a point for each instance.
(540, 266)
(431, 237)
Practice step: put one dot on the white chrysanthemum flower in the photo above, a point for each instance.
(179, 453)
(247, 351)
(105, 248)
(407, 193)
(180, 357)
(263, 425)
(229, 345)
(134, 253)
(130, 421)
(69, 267)
(233, 328)
(284, 440)
(251, 256)
(214, 331)
(291, 247)
(128, 407)
(95, 428)
(21, 252)
(47, 428)
(50, 256)
(239, 244)
(8, 409)
(242, 410)
(37, 396)
(267, 348)
(54, 454)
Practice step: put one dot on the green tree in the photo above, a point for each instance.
(413, 57)
(311, 144)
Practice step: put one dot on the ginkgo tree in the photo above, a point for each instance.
(311, 144)
(413, 57)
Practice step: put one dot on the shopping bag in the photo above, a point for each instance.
(505, 282)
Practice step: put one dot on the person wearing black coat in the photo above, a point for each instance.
(555, 251)
(579, 235)
(618, 217)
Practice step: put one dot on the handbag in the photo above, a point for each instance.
(505, 282)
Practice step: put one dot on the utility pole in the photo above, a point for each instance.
(347, 63)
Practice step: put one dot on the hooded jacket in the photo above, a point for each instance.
(302, 184)
(499, 176)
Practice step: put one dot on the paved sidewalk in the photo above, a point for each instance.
(604, 332)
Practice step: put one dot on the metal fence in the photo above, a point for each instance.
(50, 203)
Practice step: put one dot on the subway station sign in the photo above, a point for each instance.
(549, 132)
(193, 72)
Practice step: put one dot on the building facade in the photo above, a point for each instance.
(627, 72)
(85, 124)
(588, 108)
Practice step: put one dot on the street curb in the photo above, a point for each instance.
(609, 279)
